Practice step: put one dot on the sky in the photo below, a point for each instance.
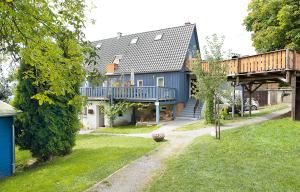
(223, 17)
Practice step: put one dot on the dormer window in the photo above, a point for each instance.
(158, 37)
(98, 45)
(134, 40)
(117, 59)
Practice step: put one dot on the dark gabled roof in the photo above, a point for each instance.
(147, 55)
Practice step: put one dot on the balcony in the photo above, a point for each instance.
(270, 62)
(145, 93)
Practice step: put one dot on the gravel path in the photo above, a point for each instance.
(135, 176)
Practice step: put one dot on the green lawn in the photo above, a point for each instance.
(128, 129)
(193, 126)
(262, 111)
(261, 157)
(94, 158)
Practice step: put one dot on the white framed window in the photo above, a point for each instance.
(134, 40)
(117, 59)
(158, 37)
(140, 83)
(160, 81)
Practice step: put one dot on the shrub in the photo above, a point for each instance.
(224, 113)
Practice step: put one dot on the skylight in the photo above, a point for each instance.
(134, 40)
(117, 59)
(98, 45)
(158, 37)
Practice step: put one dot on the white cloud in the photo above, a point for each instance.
(212, 16)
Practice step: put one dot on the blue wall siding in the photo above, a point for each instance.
(177, 80)
(6, 146)
(194, 45)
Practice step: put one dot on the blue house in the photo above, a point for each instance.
(150, 67)
(7, 146)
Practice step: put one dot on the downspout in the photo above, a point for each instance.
(13, 150)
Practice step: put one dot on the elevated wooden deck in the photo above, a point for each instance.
(272, 61)
(266, 67)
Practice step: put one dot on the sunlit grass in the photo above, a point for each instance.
(262, 111)
(94, 158)
(261, 157)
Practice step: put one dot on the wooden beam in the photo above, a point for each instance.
(288, 77)
(287, 59)
(270, 77)
(237, 80)
(257, 87)
(247, 88)
(250, 99)
(293, 85)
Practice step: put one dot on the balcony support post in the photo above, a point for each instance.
(157, 111)
(295, 97)
(157, 107)
(174, 111)
(242, 101)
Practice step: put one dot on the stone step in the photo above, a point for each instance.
(182, 114)
(191, 111)
(188, 118)
(188, 111)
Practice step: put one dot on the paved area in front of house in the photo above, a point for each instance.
(137, 175)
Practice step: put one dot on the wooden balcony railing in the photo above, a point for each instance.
(130, 93)
(271, 61)
(97, 92)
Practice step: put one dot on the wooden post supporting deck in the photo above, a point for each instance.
(233, 104)
(242, 102)
(250, 99)
(250, 91)
(295, 83)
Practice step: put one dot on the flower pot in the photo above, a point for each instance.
(158, 137)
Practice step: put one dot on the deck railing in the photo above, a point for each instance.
(271, 61)
(97, 92)
(130, 93)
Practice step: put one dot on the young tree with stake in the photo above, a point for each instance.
(210, 77)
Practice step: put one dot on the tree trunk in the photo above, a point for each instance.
(209, 110)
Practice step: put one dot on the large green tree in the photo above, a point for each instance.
(275, 24)
(45, 37)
